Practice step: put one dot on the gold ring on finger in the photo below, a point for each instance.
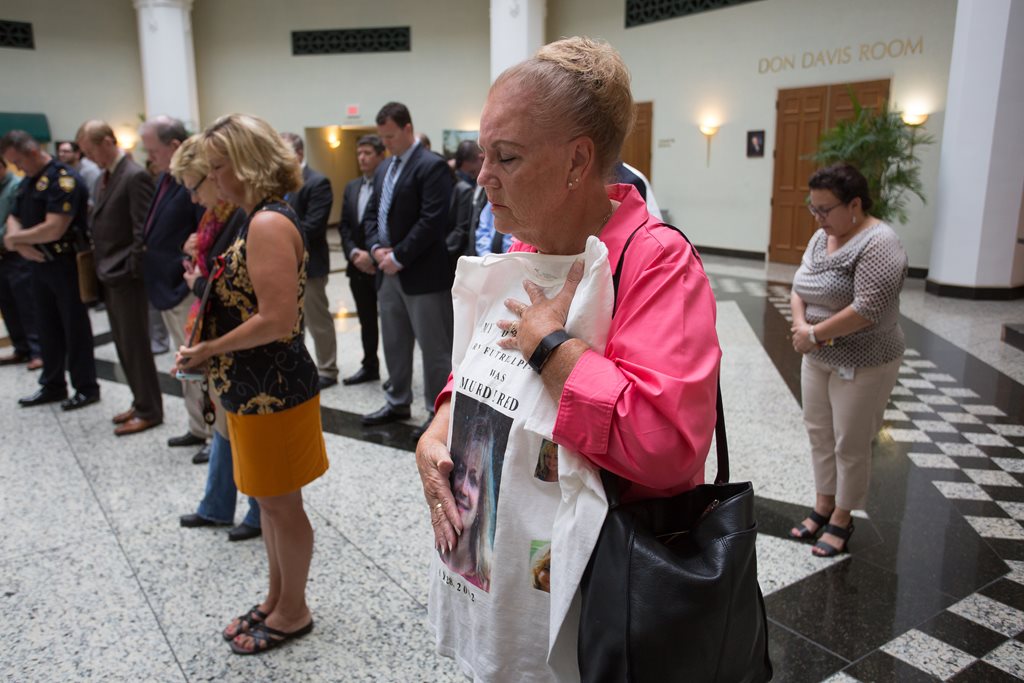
(438, 506)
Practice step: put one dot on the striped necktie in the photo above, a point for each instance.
(385, 203)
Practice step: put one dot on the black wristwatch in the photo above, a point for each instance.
(546, 347)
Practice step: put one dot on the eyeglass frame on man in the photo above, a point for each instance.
(817, 212)
(193, 190)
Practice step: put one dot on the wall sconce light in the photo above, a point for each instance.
(333, 141)
(914, 119)
(126, 139)
(708, 130)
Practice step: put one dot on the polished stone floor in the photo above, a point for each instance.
(99, 582)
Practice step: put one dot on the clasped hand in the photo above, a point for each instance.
(802, 338)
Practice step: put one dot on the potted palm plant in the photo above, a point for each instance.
(882, 147)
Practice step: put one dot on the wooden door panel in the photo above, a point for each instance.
(803, 115)
(870, 94)
(801, 119)
(636, 148)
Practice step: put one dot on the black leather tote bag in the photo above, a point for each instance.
(671, 592)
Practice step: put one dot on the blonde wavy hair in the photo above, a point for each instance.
(190, 158)
(582, 85)
(264, 163)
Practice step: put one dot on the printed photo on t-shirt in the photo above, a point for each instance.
(547, 461)
(540, 565)
(479, 436)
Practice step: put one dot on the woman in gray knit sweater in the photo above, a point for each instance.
(845, 302)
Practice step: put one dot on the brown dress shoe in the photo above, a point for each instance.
(35, 364)
(134, 426)
(121, 418)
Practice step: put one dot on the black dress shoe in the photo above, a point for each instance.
(202, 455)
(79, 400)
(385, 415)
(326, 382)
(386, 385)
(193, 520)
(243, 532)
(361, 375)
(14, 359)
(42, 396)
(186, 439)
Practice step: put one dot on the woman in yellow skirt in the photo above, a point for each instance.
(252, 338)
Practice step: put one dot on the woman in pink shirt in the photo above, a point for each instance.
(642, 407)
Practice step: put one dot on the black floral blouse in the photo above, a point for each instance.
(269, 378)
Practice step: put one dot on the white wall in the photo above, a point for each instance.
(244, 63)
(85, 65)
(708, 65)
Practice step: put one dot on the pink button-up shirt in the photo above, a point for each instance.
(644, 409)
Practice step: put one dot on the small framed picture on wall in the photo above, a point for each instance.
(755, 144)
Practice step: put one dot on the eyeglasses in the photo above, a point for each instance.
(820, 213)
(192, 190)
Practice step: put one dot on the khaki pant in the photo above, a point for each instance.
(320, 324)
(175, 319)
(842, 417)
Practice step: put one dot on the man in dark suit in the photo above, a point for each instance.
(312, 203)
(123, 194)
(361, 270)
(405, 225)
(172, 217)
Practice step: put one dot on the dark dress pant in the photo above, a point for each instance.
(364, 292)
(128, 310)
(17, 305)
(65, 333)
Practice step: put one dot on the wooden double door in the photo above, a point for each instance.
(803, 115)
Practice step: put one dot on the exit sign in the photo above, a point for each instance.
(352, 111)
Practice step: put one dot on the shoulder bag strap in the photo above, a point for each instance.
(721, 442)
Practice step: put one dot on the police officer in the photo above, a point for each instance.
(49, 214)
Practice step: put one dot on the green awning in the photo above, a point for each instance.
(35, 125)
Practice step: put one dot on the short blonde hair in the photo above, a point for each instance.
(190, 158)
(583, 85)
(262, 161)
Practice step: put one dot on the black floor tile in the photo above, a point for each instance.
(1009, 494)
(795, 659)
(972, 638)
(982, 672)
(978, 508)
(863, 606)
(882, 668)
(1007, 592)
(1007, 549)
(975, 463)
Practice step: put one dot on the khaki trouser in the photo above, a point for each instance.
(320, 324)
(842, 417)
(175, 319)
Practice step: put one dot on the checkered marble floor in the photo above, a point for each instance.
(973, 454)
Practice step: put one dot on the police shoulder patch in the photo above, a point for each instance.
(66, 182)
(42, 183)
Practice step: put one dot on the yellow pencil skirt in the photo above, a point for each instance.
(278, 453)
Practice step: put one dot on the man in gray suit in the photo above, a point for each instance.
(122, 198)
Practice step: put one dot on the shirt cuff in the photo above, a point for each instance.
(351, 254)
(587, 406)
(396, 261)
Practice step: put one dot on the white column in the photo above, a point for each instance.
(168, 59)
(517, 31)
(977, 240)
